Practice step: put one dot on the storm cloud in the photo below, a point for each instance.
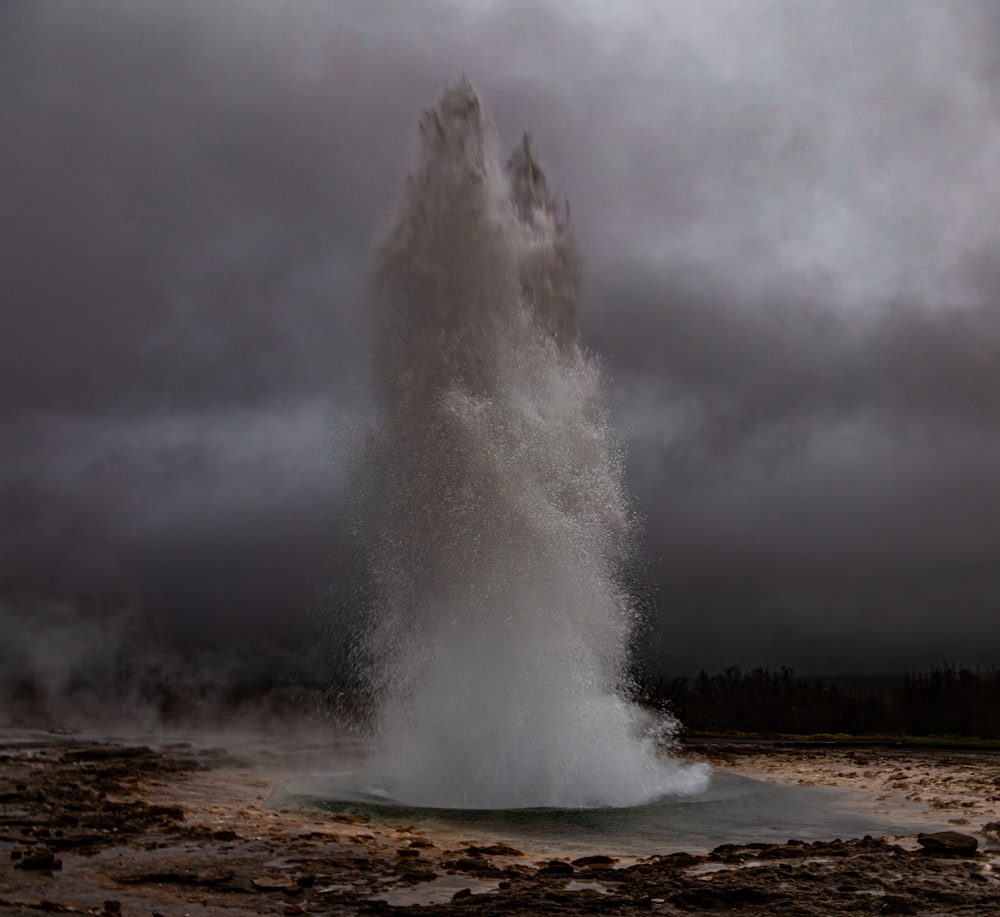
(788, 215)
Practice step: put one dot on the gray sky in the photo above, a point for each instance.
(789, 216)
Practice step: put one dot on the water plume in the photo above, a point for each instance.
(498, 520)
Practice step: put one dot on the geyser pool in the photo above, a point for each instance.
(734, 809)
(495, 511)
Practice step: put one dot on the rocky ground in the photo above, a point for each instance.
(171, 828)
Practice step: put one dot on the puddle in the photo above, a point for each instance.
(708, 868)
(583, 886)
(438, 891)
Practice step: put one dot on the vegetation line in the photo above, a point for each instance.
(936, 707)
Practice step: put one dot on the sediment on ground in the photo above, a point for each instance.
(103, 827)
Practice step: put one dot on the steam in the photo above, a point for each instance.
(499, 521)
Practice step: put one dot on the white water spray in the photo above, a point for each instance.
(500, 525)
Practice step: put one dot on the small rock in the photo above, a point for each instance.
(274, 884)
(212, 876)
(494, 850)
(39, 858)
(350, 819)
(991, 831)
(472, 864)
(598, 859)
(417, 875)
(556, 868)
(462, 893)
(678, 859)
(948, 843)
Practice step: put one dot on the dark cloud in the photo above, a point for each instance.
(788, 223)
(817, 485)
(168, 236)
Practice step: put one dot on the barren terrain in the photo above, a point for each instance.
(104, 826)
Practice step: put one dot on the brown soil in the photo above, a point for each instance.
(101, 827)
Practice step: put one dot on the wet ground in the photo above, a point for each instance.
(102, 826)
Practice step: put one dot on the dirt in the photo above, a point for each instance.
(113, 828)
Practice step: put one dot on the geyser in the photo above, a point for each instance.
(498, 522)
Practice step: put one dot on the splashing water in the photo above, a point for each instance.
(499, 522)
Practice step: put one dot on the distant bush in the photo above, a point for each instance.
(946, 701)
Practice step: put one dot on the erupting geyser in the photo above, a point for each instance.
(499, 522)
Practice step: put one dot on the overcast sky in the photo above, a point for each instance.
(788, 214)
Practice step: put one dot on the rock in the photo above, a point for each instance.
(349, 819)
(597, 860)
(729, 898)
(274, 884)
(494, 850)
(39, 858)
(678, 860)
(948, 843)
(212, 876)
(418, 875)
(556, 868)
(991, 831)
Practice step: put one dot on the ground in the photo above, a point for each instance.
(104, 826)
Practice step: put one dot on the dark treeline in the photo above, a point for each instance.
(946, 701)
